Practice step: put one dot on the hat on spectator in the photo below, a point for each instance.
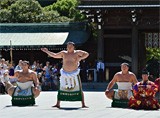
(145, 71)
(6, 71)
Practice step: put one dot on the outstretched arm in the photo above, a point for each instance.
(52, 54)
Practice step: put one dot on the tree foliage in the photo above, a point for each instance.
(4, 4)
(63, 6)
(25, 11)
(22, 11)
(152, 53)
(152, 59)
(28, 11)
(67, 8)
(51, 17)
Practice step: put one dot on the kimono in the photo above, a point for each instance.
(144, 97)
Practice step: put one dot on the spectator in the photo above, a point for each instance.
(47, 75)
(40, 80)
(90, 74)
(39, 69)
(55, 80)
(100, 70)
(2, 87)
(19, 66)
(3, 67)
(54, 69)
(84, 71)
(3, 64)
(34, 64)
(35, 68)
(43, 80)
(30, 67)
(6, 81)
(95, 64)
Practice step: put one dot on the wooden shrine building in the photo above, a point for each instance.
(125, 29)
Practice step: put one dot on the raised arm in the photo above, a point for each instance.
(82, 54)
(52, 54)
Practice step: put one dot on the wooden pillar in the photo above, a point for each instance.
(134, 49)
(32, 57)
(100, 50)
(142, 53)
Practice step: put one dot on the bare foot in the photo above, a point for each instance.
(84, 106)
(58, 106)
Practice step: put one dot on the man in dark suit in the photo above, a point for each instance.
(84, 71)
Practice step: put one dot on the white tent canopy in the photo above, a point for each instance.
(31, 39)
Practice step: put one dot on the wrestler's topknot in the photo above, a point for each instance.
(26, 62)
(70, 42)
(125, 64)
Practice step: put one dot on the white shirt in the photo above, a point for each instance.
(2, 72)
(4, 66)
(18, 67)
(4, 79)
(100, 65)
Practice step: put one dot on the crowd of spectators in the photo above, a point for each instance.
(48, 73)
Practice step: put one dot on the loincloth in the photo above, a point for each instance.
(70, 88)
(122, 94)
(23, 97)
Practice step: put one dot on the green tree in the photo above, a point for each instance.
(63, 6)
(152, 53)
(25, 11)
(76, 15)
(5, 16)
(29, 11)
(22, 11)
(67, 8)
(152, 59)
(4, 4)
(51, 17)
